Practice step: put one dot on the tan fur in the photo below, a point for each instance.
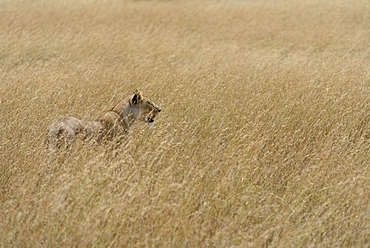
(112, 124)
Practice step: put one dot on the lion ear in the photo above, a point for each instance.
(137, 97)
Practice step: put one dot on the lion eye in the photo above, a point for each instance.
(149, 102)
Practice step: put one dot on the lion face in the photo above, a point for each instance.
(148, 109)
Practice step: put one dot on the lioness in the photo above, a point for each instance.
(112, 124)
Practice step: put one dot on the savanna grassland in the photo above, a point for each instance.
(263, 139)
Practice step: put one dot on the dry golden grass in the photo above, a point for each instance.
(263, 140)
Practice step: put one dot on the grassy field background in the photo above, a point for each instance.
(263, 140)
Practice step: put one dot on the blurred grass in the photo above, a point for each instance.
(263, 140)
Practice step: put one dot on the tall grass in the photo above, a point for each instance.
(263, 139)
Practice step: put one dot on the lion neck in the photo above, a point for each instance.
(127, 111)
